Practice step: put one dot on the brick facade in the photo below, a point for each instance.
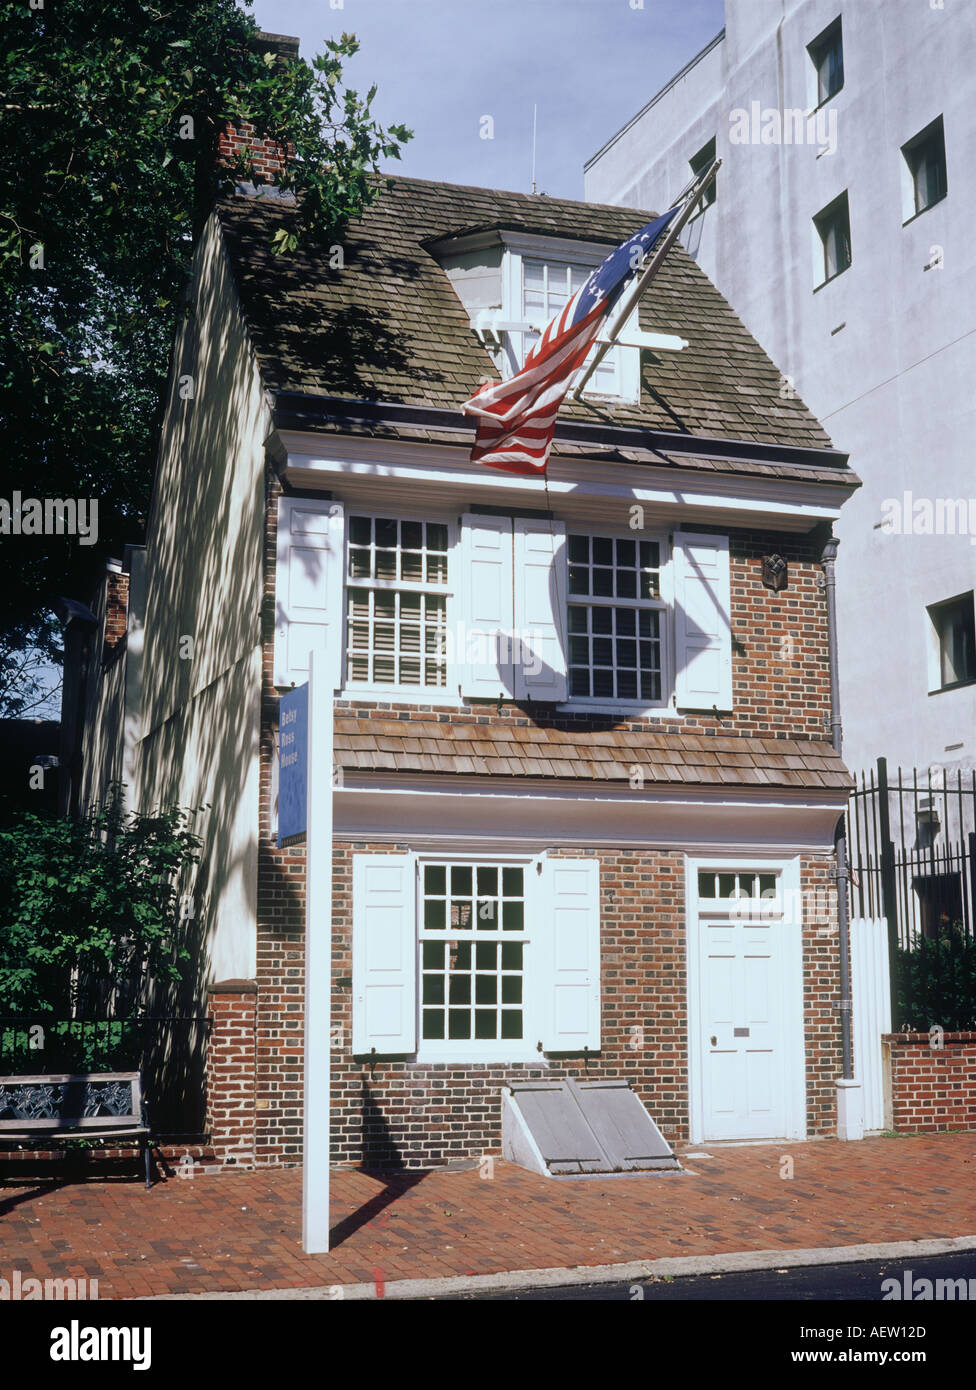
(932, 1088)
(419, 1114)
(231, 1070)
(422, 1114)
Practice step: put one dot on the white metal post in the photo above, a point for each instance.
(318, 958)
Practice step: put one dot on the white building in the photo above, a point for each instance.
(841, 231)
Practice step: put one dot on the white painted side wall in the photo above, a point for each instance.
(885, 354)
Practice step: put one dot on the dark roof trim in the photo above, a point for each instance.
(296, 411)
(656, 98)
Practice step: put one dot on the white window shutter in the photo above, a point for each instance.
(541, 579)
(702, 622)
(384, 954)
(308, 588)
(484, 647)
(569, 962)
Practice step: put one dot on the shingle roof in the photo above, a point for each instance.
(388, 325)
(508, 749)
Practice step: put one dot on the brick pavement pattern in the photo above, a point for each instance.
(224, 1231)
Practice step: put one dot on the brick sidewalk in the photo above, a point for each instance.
(242, 1231)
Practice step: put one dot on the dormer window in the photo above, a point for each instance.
(547, 287)
(514, 283)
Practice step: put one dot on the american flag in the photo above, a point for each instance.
(517, 418)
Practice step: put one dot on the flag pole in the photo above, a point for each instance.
(642, 281)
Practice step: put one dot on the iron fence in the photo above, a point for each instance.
(169, 1051)
(912, 852)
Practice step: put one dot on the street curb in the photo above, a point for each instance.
(634, 1271)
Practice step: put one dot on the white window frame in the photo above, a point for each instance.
(427, 694)
(588, 255)
(490, 1050)
(664, 603)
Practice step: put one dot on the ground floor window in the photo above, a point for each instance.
(472, 952)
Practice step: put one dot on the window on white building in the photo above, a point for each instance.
(924, 180)
(698, 164)
(827, 55)
(832, 228)
(396, 602)
(952, 652)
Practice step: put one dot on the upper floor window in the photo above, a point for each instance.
(396, 602)
(493, 606)
(698, 164)
(924, 178)
(953, 645)
(547, 287)
(615, 614)
(827, 56)
(832, 228)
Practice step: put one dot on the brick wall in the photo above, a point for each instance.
(415, 1114)
(231, 1066)
(932, 1088)
(116, 609)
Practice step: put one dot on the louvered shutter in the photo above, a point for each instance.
(540, 609)
(384, 954)
(308, 589)
(569, 959)
(702, 621)
(484, 647)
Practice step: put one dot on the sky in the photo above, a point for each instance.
(441, 66)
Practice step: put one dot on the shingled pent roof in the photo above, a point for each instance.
(513, 749)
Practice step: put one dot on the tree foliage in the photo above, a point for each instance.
(109, 117)
(91, 906)
(936, 982)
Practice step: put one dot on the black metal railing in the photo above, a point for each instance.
(169, 1051)
(912, 850)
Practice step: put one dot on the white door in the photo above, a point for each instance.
(744, 1011)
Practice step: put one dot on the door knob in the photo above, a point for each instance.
(714, 1041)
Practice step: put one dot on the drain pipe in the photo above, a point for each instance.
(850, 1122)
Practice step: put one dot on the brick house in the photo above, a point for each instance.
(599, 844)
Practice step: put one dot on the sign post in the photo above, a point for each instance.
(318, 957)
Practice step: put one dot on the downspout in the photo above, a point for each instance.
(828, 560)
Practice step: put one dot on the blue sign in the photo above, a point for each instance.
(293, 766)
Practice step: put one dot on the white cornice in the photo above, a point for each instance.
(364, 469)
(735, 821)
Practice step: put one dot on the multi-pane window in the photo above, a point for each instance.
(737, 884)
(547, 287)
(615, 618)
(396, 602)
(827, 55)
(833, 227)
(925, 159)
(472, 952)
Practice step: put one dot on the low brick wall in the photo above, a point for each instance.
(931, 1080)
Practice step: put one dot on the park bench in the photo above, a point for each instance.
(88, 1105)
